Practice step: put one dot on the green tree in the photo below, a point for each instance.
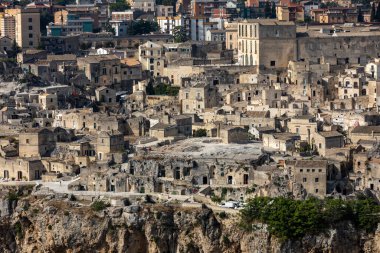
(180, 34)
(273, 11)
(169, 2)
(99, 205)
(360, 16)
(14, 50)
(64, 2)
(109, 28)
(377, 15)
(200, 132)
(45, 18)
(120, 5)
(373, 12)
(291, 219)
(166, 89)
(142, 27)
(267, 10)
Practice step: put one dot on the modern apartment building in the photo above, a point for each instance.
(27, 26)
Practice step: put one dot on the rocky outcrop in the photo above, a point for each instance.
(52, 224)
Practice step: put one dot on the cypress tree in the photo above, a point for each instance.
(273, 14)
(360, 16)
(373, 12)
(377, 16)
(267, 10)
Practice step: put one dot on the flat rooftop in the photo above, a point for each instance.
(208, 148)
(341, 31)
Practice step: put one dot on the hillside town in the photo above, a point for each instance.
(211, 100)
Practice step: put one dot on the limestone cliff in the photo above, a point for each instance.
(56, 224)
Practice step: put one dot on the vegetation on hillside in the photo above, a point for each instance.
(142, 27)
(162, 89)
(291, 219)
(120, 5)
(200, 132)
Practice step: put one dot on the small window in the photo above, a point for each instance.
(316, 190)
(30, 19)
(30, 28)
(272, 63)
(27, 141)
(316, 179)
(304, 179)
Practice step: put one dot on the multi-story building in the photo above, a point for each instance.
(164, 11)
(144, 5)
(27, 26)
(312, 175)
(167, 23)
(290, 12)
(67, 23)
(216, 35)
(304, 126)
(7, 25)
(269, 43)
(123, 15)
(335, 15)
(231, 36)
(152, 58)
(101, 70)
(351, 86)
(199, 26)
(197, 98)
(120, 27)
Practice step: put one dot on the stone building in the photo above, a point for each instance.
(105, 95)
(197, 98)
(152, 58)
(282, 142)
(364, 133)
(101, 70)
(311, 174)
(267, 43)
(305, 126)
(48, 101)
(327, 140)
(21, 168)
(233, 134)
(110, 144)
(36, 142)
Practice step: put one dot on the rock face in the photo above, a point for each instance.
(60, 225)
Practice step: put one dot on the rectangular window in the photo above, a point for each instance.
(30, 28)
(30, 20)
(316, 179)
(304, 179)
